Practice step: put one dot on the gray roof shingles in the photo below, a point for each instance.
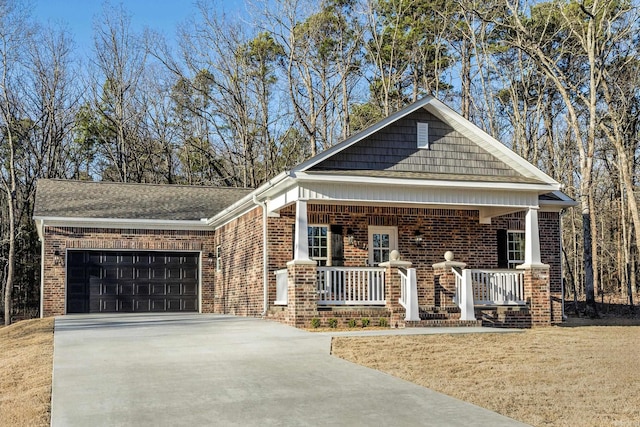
(89, 199)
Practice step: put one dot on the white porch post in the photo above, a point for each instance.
(532, 240)
(467, 310)
(413, 310)
(302, 233)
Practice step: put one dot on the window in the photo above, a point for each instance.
(423, 135)
(218, 258)
(515, 248)
(318, 248)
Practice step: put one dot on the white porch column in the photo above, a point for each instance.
(302, 233)
(532, 240)
(413, 310)
(466, 303)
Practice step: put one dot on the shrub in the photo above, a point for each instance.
(315, 323)
(333, 323)
(352, 323)
(365, 322)
(384, 322)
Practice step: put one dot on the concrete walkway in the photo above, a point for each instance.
(202, 370)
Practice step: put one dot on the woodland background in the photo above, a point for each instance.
(234, 100)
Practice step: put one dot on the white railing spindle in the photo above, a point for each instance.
(282, 287)
(350, 285)
(494, 287)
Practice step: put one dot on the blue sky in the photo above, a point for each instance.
(79, 15)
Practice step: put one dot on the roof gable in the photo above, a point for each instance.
(458, 150)
(89, 199)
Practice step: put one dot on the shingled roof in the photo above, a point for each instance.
(88, 199)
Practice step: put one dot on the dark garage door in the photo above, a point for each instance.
(124, 281)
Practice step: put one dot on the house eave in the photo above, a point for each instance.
(352, 179)
(246, 203)
(120, 223)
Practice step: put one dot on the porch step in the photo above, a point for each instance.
(442, 323)
(439, 313)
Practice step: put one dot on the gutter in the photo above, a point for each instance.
(265, 267)
(161, 224)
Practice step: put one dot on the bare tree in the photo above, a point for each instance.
(14, 38)
(114, 108)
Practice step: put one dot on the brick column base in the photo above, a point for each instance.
(538, 294)
(303, 295)
(445, 281)
(392, 289)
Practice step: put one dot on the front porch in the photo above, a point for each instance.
(388, 295)
(354, 262)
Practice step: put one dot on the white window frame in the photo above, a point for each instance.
(393, 239)
(320, 259)
(219, 258)
(512, 261)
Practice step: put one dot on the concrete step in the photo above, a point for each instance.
(442, 323)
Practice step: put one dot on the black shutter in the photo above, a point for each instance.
(503, 260)
(337, 248)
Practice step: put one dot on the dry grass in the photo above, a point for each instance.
(26, 355)
(586, 376)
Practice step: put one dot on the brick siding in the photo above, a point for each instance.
(62, 238)
(237, 288)
(239, 283)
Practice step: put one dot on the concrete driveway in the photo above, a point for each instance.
(201, 370)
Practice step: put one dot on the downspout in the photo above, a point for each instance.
(563, 316)
(265, 267)
(40, 229)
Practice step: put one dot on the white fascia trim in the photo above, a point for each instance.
(486, 141)
(146, 224)
(247, 204)
(407, 182)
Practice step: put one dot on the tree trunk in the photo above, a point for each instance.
(8, 288)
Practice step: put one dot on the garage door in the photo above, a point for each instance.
(124, 281)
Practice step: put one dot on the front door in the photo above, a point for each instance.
(382, 240)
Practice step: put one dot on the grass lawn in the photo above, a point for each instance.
(582, 375)
(26, 362)
(557, 376)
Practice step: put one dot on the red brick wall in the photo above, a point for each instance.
(280, 246)
(63, 238)
(551, 254)
(239, 285)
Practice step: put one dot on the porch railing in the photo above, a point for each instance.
(351, 285)
(490, 287)
(404, 287)
(464, 294)
(282, 287)
(409, 293)
(498, 287)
